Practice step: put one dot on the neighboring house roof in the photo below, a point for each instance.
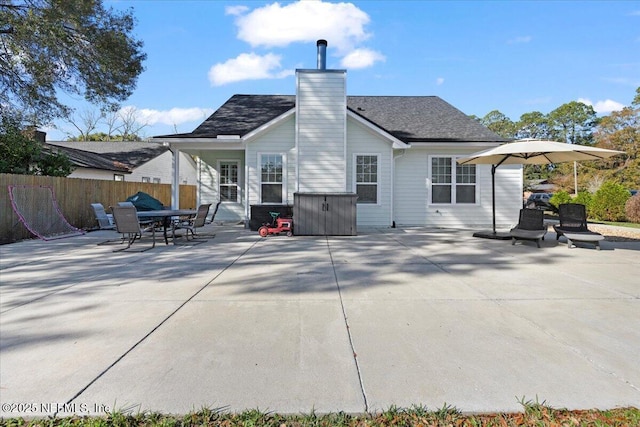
(408, 118)
(120, 156)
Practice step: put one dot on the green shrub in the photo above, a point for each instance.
(560, 198)
(632, 208)
(608, 202)
(584, 198)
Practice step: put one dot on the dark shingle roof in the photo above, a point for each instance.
(420, 118)
(242, 114)
(408, 118)
(122, 156)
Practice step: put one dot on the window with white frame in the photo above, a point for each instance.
(156, 180)
(452, 183)
(271, 178)
(228, 185)
(366, 169)
(146, 179)
(118, 177)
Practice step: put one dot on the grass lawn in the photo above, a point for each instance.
(619, 224)
(534, 414)
(552, 215)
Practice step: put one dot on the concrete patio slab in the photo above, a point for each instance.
(388, 317)
(273, 355)
(474, 352)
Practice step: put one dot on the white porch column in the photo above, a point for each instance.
(175, 184)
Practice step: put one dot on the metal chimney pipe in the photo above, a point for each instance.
(322, 54)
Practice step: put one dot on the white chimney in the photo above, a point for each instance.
(321, 127)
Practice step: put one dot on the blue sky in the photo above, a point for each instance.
(512, 56)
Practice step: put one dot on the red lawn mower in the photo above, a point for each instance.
(278, 225)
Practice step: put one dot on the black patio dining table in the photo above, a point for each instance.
(166, 215)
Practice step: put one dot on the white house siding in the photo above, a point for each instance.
(411, 206)
(321, 114)
(90, 173)
(208, 183)
(157, 168)
(361, 140)
(160, 168)
(277, 140)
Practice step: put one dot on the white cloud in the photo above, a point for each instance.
(247, 66)
(603, 107)
(278, 26)
(361, 58)
(521, 39)
(235, 10)
(174, 116)
(440, 81)
(274, 25)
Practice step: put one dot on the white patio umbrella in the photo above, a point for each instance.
(530, 152)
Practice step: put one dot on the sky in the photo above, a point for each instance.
(479, 56)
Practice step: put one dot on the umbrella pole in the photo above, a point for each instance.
(493, 234)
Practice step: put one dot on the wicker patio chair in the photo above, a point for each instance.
(530, 226)
(573, 225)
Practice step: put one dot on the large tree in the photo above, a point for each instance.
(573, 123)
(20, 153)
(75, 46)
(621, 131)
(499, 123)
(533, 125)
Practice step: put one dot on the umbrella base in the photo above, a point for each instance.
(492, 235)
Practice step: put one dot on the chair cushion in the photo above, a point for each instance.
(520, 233)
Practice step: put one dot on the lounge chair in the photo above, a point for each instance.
(197, 221)
(126, 219)
(573, 225)
(105, 221)
(530, 226)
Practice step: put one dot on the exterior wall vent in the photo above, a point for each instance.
(322, 54)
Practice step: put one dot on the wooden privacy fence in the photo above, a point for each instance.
(75, 195)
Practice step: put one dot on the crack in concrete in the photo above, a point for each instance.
(348, 329)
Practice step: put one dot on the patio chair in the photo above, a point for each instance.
(530, 226)
(105, 220)
(215, 211)
(147, 222)
(197, 221)
(126, 219)
(573, 225)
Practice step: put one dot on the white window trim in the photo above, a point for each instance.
(453, 183)
(354, 179)
(238, 184)
(285, 192)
